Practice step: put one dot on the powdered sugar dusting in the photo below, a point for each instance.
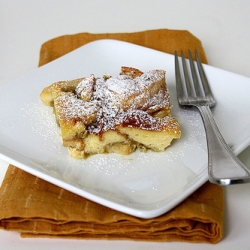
(73, 108)
(117, 100)
(141, 119)
(85, 88)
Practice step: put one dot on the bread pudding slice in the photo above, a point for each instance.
(113, 114)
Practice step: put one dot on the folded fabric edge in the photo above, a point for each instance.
(155, 39)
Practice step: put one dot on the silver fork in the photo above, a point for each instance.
(224, 168)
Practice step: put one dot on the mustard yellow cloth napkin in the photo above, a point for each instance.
(36, 208)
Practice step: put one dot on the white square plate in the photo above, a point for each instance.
(145, 185)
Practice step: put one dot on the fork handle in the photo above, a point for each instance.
(224, 167)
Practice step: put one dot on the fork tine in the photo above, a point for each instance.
(186, 76)
(194, 76)
(203, 77)
(179, 86)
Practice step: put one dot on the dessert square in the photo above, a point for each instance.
(113, 114)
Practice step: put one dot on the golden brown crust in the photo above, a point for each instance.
(129, 71)
(50, 93)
